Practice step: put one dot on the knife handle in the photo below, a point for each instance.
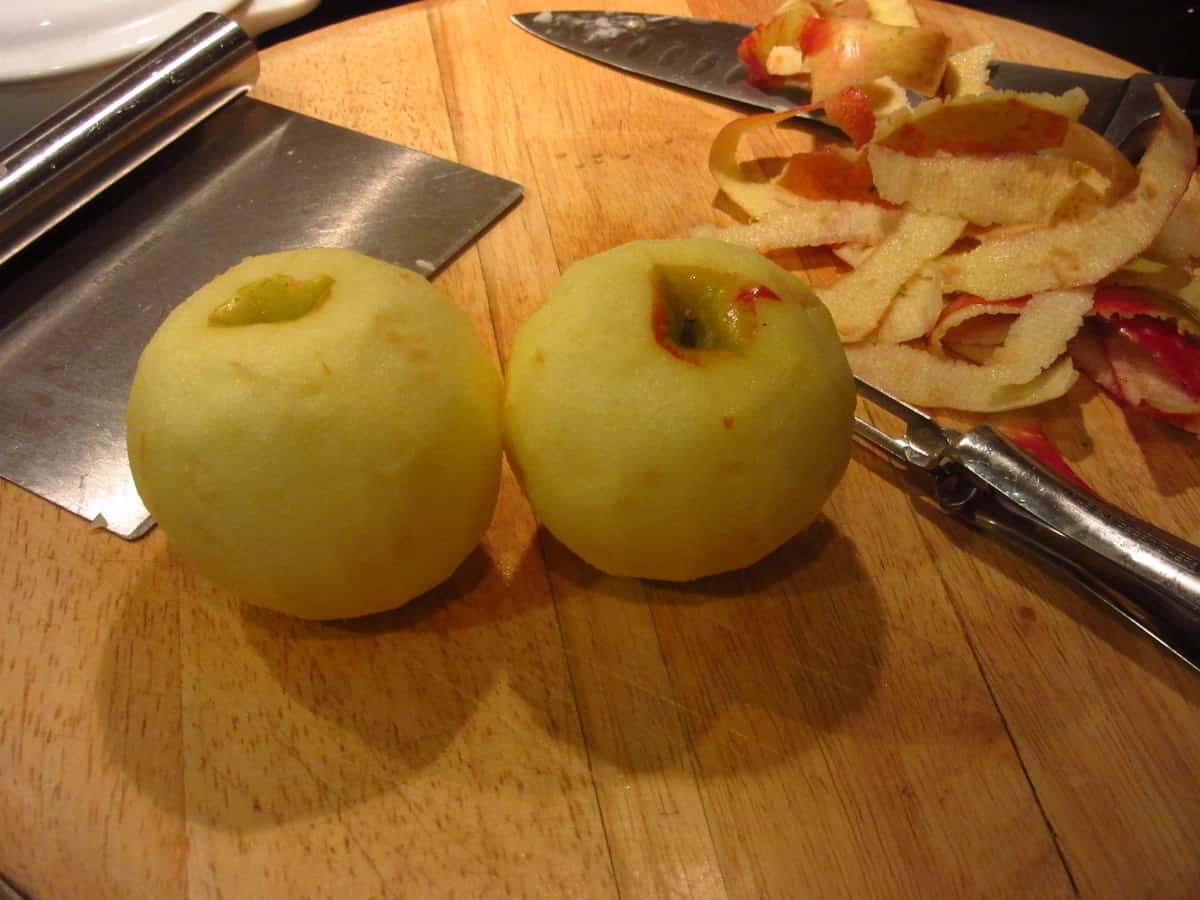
(1149, 576)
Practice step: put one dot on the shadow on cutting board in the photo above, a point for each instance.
(740, 671)
(273, 719)
(1019, 600)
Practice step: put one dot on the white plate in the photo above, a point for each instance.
(51, 38)
(51, 51)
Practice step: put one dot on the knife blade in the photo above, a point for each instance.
(701, 55)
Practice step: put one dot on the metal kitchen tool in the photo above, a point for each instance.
(126, 201)
(1145, 574)
(701, 55)
(8, 892)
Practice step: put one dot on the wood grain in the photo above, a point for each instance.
(888, 706)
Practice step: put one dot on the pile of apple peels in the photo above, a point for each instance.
(991, 247)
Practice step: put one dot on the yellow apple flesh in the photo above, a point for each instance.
(678, 408)
(318, 431)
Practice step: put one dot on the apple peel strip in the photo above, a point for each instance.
(927, 120)
(1082, 251)
(1002, 190)
(756, 197)
(915, 309)
(859, 300)
(1028, 368)
(815, 224)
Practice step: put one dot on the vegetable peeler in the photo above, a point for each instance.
(1148, 576)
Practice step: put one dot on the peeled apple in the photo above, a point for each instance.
(677, 408)
(318, 432)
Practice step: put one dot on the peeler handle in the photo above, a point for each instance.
(1149, 576)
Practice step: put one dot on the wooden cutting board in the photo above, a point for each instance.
(889, 706)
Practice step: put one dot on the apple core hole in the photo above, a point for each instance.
(699, 311)
(277, 298)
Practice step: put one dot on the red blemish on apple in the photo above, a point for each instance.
(966, 301)
(1118, 301)
(698, 313)
(1176, 353)
(727, 421)
(815, 36)
(982, 129)
(850, 110)
(749, 296)
(828, 175)
(747, 51)
(1121, 301)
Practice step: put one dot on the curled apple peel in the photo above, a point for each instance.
(859, 300)
(1003, 190)
(1083, 250)
(992, 123)
(964, 316)
(967, 71)
(1179, 239)
(812, 225)
(1027, 368)
(1045, 212)
(915, 308)
(842, 52)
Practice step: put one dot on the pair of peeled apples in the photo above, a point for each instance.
(321, 432)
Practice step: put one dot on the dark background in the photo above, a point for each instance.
(1158, 35)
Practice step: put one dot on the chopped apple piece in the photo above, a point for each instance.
(967, 71)
(781, 30)
(842, 52)
(893, 12)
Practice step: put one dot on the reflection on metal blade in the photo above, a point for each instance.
(701, 55)
(78, 305)
(698, 54)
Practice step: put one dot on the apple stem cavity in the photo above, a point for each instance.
(277, 298)
(699, 312)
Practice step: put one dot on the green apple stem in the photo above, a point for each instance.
(278, 298)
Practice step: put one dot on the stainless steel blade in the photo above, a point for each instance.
(701, 55)
(698, 54)
(78, 304)
(1116, 106)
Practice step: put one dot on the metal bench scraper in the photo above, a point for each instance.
(126, 201)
